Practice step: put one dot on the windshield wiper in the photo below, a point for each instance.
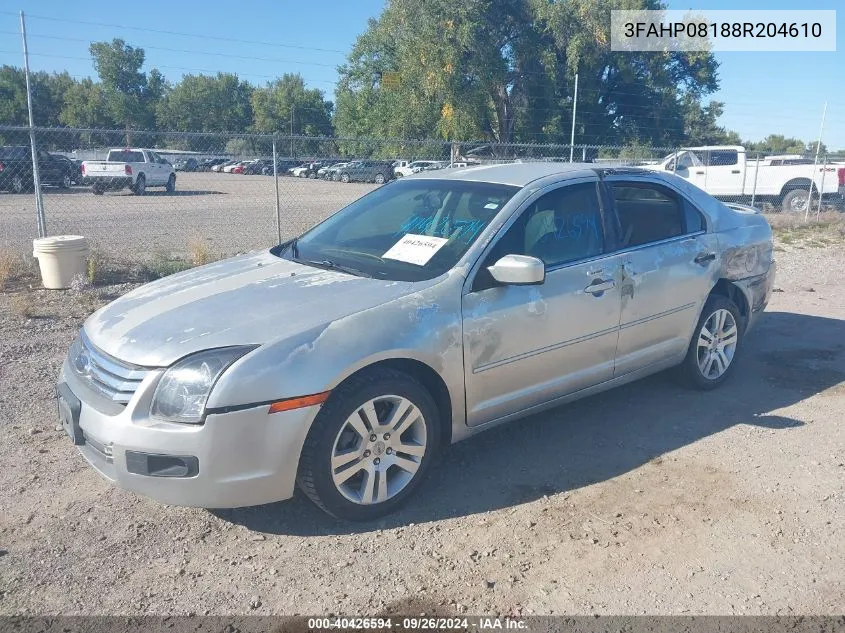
(329, 264)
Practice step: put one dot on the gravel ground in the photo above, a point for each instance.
(229, 212)
(647, 499)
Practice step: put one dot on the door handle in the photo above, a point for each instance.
(599, 286)
(700, 173)
(735, 171)
(703, 258)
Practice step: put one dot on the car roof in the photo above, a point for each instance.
(519, 174)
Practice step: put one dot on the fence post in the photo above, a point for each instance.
(41, 220)
(821, 188)
(756, 171)
(276, 179)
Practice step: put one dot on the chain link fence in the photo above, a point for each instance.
(236, 192)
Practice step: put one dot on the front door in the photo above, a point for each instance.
(669, 260)
(527, 345)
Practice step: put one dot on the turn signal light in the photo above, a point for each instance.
(298, 403)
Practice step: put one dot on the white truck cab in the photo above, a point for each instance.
(726, 172)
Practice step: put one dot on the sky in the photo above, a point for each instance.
(764, 93)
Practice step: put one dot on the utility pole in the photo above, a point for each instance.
(574, 108)
(39, 200)
(291, 129)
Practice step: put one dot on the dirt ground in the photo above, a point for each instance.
(647, 499)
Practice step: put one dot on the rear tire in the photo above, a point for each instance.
(344, 177)
(170, 187)
(97, 190)
(67, 181)
(717, 339)
(796, 201)
(140, 186)
(379, 179)
(349, 460)
(18, 184)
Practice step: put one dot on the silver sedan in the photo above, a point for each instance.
(427, 311)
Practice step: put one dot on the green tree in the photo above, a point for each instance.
(286, 104)
(206, 103)
(778, 144)
(503, 70)
(130, 96)
(48, 92)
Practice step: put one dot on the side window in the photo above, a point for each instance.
(722, 157)
(693, 222)
(560, 227)
(647, 213)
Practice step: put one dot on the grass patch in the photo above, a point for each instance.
(23, 305)
(162, 265)
(198, 253)
(826, 229)
(17, 271)
(7, 266)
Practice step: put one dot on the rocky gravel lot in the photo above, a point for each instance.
(648, 499)
(227, 212)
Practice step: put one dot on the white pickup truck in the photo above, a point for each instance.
(727, 173)
(130, 167)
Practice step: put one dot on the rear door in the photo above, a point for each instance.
(724, 172)
(669, 264)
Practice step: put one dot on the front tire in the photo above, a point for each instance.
(379, 179)
(344, 177)
(67, 181)
(717, 338)
(170, 187)
(370, 445)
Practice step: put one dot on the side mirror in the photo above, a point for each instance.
(518, 270)
(670, 167)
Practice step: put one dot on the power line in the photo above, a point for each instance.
(181, 50)
(177, 33)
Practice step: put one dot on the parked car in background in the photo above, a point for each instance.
(726, 172)
(416, 167)
(72, 166)
(283, 167)
(230, 167)
(16, 174)
(439, 306)
(209, 163)
(134, 168)
(219, 167)
(257, 166)
(377, 171)
(306, 170)
(333, 172)
(186, 164)
(239, 168)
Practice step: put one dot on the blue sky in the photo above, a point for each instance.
(764, 92)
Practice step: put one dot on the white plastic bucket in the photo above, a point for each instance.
(61, 258)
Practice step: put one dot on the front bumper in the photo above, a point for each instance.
(243, 458)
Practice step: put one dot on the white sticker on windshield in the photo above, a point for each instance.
(491, 205)
(415, 249)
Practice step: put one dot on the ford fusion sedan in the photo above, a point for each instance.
(427, 311)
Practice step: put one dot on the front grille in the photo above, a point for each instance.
(112, 378)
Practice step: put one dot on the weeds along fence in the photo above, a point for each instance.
(230, 195)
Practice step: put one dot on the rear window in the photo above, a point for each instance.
(722, 157)
(125, 156)
(14, 152)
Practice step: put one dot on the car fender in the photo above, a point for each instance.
(424, 326)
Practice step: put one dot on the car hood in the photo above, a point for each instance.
(250, 299)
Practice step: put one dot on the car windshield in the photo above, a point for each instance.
(406, 231)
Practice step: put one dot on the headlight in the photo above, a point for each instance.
(183, 390)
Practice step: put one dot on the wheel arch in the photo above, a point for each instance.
(428, 378)
(726, 288)
(797, 183)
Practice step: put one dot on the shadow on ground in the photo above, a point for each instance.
(787, 358)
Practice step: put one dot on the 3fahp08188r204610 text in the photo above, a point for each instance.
(724, 29)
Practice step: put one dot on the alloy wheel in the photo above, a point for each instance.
(378, 450)
(717, 342)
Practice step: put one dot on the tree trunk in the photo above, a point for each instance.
(504, 115)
